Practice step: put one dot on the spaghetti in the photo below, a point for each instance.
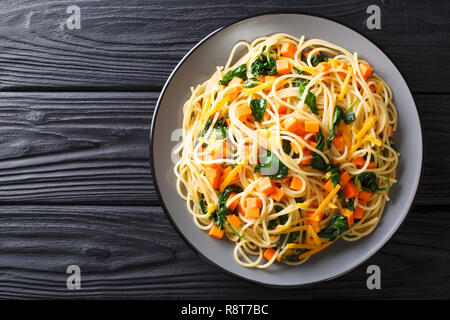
(287, 148)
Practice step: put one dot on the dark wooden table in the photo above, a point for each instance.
(75, 184)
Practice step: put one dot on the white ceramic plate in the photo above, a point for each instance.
(199, 64)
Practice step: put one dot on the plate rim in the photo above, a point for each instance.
(163, 205)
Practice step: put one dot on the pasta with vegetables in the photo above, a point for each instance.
(287, 149)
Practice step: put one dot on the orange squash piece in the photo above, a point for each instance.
(328, 186)
(366, 70)
(252, 212)
(350, 216)
(213, 174)
(277, 194)
(234, 220)
(345, 177)
(288, 50)
(232, 205)
(323, 67)
(339, 143)
(266, 186)
(269, 253)
(295, 126)
(312, 126)
(283, 66)
(359, 212)
(253, 203)
(365, 195)
(243, 112)
(216, 233)
(296, 184)
(350, 190)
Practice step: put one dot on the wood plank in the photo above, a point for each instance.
(134, 252)
(134, 45)
(92, 148)
(76, 147)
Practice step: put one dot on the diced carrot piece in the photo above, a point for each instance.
(293, 125)
(228, 121)
(215, 232)
(288, 50)
(364, 195)
(350, 190)
(283, 66)
(235, 81)
(306, 153)
(323, 67)
(232, 205)
(234, 220)
(372, 88)
(253, 202)
(371, 165)
(241, 209)
(213, 174)
(277, 194)
(328, 186)
(281, 108)
(234, 92)
(366, 70)
(307, 53)
(270, 78)
(266, 186)
(359, 162)
(252, 212)
(350, 216)
(312, 126)
(359, 212)
(339, 143)
(296, 184)
(345, 177)
(243, 112)
(391, 131)
(269, 253)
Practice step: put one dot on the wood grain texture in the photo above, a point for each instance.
(134, 252)
(134, 45)
(92, 148)
(85, 148)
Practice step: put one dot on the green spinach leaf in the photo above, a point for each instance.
(336, 226)
(258, 107)
(240, 72)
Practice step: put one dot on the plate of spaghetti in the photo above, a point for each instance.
(277, 149)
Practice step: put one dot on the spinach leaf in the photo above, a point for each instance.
(203, 207)
(250, 83)
(368, 181)
(348, 117)
(264, 65)
(206, 128)
(310, 99)
(350, 205)
(336, 120)
(318, 58)
(300, 81)
(317, 161)
(271, 166)
(240, 72)
(258, 107)
(287, 148)
(336, 226)
(335, 175)
(221, 129)
(219, 214)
